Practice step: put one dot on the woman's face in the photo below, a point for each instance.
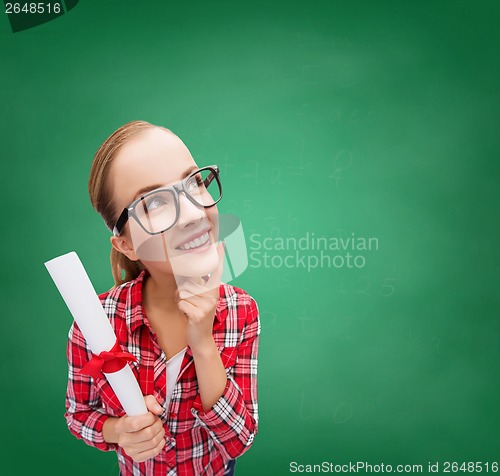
(154, 159)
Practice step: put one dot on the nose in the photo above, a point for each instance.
(188, 211)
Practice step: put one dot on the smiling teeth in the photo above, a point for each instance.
(201, 240)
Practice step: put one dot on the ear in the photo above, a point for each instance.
(122, 245)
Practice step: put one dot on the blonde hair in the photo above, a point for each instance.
(122, 268)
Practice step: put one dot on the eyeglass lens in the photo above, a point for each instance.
(157, 210)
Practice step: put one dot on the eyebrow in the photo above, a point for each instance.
(149, 188)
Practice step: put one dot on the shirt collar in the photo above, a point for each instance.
(133, 303)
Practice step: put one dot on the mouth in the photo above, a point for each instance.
(198, 242)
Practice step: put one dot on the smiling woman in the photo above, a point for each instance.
(195, 338)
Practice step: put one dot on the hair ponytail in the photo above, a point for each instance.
(122, 268)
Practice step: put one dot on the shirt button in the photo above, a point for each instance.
(173, 415)
(172, 440)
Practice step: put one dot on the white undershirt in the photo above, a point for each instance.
(173, 368)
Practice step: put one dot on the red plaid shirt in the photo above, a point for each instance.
(197, 442)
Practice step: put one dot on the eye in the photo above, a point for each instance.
(195, 182)
(155, 202)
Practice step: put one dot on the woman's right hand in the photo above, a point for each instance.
(141, 437)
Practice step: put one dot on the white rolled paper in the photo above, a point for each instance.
(71, 279)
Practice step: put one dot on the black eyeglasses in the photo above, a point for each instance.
(158, 210)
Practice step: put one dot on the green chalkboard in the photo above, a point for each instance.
(358, 145)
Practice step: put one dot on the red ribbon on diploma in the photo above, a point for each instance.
(107, 361)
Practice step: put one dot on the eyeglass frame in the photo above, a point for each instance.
(176, 189)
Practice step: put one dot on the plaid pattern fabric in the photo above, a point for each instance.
(198, 442)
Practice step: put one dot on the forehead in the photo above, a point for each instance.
(155, 156)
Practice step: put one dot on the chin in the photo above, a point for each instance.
(195, 264)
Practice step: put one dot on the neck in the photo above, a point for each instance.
(160, 291)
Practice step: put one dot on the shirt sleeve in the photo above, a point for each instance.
(232, 422)
(85, 414)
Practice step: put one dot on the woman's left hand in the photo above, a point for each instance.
(198, 301)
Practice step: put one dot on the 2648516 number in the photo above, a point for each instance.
(470, 467)
(14, 8)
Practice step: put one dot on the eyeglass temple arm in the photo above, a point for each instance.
(211, 177)
(120, 223)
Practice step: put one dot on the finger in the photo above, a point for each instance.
(150, 453)
(214, 279)
(152, 405)
(191, 289)
(137, 423)
(188, 308)
(143, 450)
(139, 440)
(197, 300)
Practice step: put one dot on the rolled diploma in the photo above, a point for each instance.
(71, 279)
